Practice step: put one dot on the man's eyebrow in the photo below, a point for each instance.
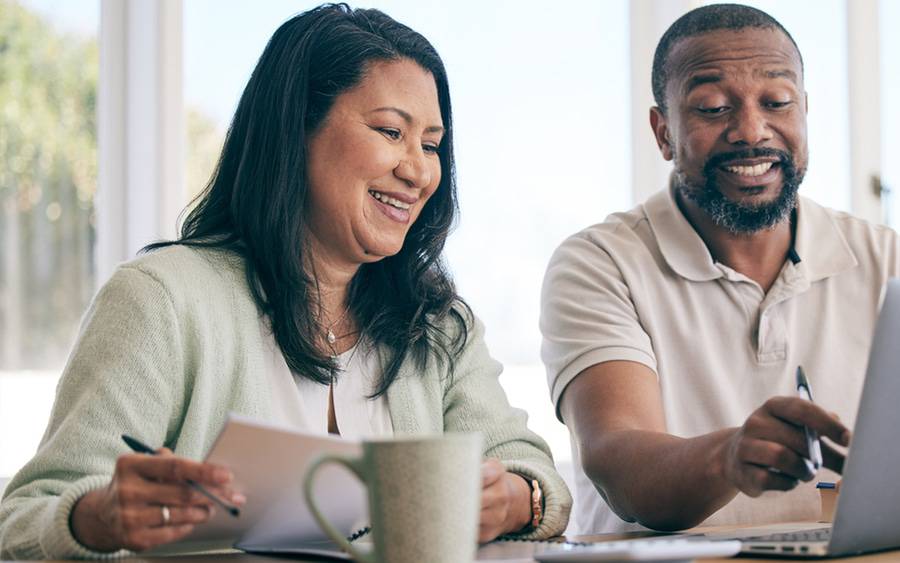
(408, 118)
(781, 73)
(700, 79)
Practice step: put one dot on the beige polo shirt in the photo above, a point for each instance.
(642, 286)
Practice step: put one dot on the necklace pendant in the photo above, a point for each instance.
(331, 337)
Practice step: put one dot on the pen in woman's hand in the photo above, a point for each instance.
(141, 448)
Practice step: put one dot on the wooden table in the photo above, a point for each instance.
(883, 557)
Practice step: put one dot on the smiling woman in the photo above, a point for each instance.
(375, 163)
(307, 289)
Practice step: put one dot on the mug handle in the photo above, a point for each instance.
(355, 467)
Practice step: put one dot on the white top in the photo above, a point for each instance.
(643, 287)
(303, 404)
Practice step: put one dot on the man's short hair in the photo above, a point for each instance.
(704, 20)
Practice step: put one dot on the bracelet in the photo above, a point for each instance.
(537, 505)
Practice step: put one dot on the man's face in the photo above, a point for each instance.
(736, 125)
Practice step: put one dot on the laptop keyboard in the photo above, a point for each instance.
(819, 535)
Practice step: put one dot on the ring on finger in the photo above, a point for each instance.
(166, 515)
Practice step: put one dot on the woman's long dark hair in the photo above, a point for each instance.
(255, 199)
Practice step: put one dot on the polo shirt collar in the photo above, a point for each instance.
(681, 246)
(822, 248)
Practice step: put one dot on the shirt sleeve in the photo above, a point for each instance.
(587, 314)
(474, 401)
(118, 380)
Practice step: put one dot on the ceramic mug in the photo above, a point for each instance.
(424, 498)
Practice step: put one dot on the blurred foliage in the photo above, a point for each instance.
(48, 177)
(203, 148)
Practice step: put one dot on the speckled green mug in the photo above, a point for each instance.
(424, 498)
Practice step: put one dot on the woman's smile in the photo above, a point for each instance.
(395, 206)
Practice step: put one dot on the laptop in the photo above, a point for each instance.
(867, 516)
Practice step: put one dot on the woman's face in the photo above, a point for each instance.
(373, 163)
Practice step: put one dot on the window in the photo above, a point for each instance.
(48, 175)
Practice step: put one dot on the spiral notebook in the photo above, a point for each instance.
(324, 549)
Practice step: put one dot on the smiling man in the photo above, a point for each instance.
(673, 332)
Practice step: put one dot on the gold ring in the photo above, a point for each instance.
(166, 516)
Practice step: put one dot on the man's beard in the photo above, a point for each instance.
(737, 217)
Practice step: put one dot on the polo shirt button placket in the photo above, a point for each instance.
(762, 334)
(771, 338)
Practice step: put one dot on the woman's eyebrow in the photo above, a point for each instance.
(408, 118)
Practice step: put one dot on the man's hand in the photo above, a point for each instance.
(768, 451)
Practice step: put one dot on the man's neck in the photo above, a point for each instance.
(760, 256)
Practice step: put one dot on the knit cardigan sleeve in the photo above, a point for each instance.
(474, 401)
(118, 379)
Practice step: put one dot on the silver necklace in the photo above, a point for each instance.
(329, 333)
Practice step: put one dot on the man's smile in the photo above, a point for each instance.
(748, 169)
(745, 171)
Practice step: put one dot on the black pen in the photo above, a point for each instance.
(141, 448)
(814, 462)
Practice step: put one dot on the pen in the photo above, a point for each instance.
(812, 438)
(141, 448)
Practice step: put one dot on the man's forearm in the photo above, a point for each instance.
(658, 480)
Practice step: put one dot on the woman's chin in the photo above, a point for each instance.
(376, 252)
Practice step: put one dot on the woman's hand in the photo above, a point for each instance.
(505, 501)
(131, 512)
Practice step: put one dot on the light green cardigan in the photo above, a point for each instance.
(171, 345)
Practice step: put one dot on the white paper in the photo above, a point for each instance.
(269, 465)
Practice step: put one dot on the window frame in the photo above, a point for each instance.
(140, 137)
(864, 87)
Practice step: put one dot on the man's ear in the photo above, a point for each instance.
(661, 131)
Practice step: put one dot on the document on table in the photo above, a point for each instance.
(269, 463)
